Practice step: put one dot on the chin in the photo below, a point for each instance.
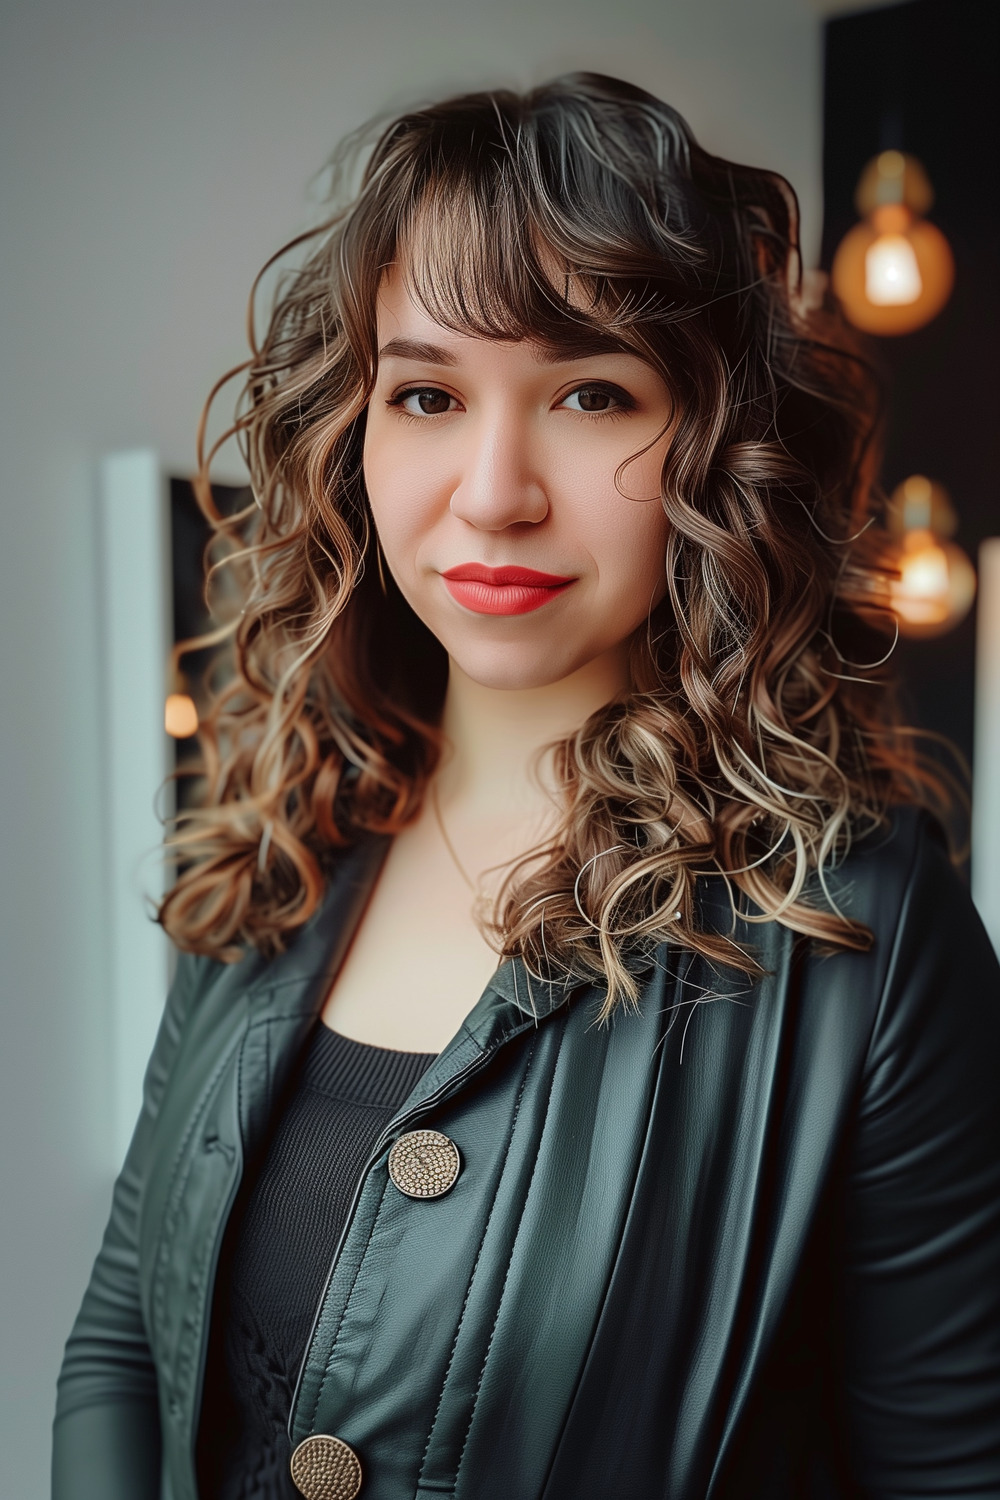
(513, 669)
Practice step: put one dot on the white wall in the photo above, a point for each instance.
(155, 153)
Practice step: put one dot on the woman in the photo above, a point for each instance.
(551, 645)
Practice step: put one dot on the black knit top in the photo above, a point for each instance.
(276, 1254)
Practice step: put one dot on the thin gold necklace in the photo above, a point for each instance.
(447, 841)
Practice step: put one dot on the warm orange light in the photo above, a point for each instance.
(894, 271)
(180, 716)
(936, 582)
(892, 275)
(935, 588)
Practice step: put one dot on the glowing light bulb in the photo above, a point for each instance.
(180, 716)
(892, 276)
(894, 271)
(935, 587)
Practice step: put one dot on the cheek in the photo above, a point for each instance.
(635, 555)
(642, 527)
(626, 533)
(400, 492)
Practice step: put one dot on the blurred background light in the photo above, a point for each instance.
(935, 583)
(894, 271)
(180, 717)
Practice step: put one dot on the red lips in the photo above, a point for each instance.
(503, 591)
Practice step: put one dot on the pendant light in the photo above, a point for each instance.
(894, 271)
(935, 582)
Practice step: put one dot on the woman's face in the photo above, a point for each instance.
(491, 472)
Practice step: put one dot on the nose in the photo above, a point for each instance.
(499, 484)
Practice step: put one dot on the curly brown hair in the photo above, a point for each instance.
(752, 744)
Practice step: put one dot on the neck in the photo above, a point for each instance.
(492, 770)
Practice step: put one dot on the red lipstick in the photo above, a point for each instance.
(503, 591)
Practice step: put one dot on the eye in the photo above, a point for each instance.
(598, 400)
(424, 401)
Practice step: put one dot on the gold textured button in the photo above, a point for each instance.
(326, 1468)
(424, 1164)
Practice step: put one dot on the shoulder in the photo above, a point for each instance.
(891, 852)
(900, 881)
(197, 975)
(937, 994)
(202, 983)
(190, 1006)
(309, 953)
(929, 973)
(875, 881)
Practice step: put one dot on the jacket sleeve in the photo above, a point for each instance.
(922, 1326)
(107, 1429)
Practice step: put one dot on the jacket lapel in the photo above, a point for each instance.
(286, 1000)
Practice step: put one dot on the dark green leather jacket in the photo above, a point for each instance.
(744, 1243)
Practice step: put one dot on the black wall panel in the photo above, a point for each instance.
(924, 77)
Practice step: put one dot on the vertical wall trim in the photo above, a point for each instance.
(986, 779)
(135, 548)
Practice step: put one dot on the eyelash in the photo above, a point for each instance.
(624, 403)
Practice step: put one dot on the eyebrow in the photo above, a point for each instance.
(431, 354)
(551, 352)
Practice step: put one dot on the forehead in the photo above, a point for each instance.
(408, 329)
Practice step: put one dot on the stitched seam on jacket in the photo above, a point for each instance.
(475, 1268)
(503, 1289)
(212, 1257)
(174, 1192)
(343, 1314)
(240, 1063)
(200, 1269)
(187, 990)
